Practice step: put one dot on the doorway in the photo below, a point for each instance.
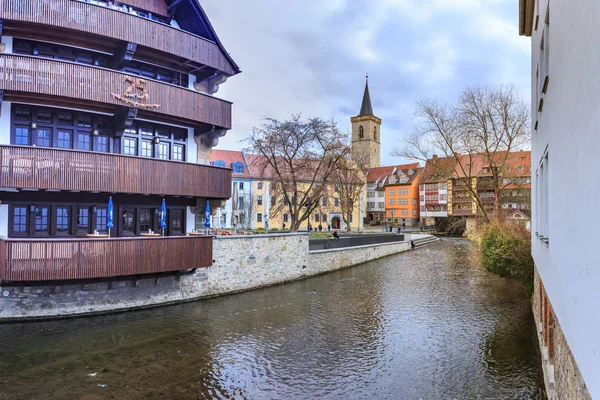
(335, 223)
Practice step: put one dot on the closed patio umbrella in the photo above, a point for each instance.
(163, 216)
(109, 222)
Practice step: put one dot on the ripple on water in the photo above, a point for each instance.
(428, 324)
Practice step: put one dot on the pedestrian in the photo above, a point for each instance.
(335, 235)
(398, 230)
(283, 229)
(412, 245)
(404, 226)
(320, 228)
(329, 227)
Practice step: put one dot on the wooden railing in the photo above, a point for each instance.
(58, 169)
(102, 21)
(83, 82)
(64, 259)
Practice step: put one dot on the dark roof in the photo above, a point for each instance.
(365, 108)
(191, 17)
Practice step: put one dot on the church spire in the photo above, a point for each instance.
(366, 108)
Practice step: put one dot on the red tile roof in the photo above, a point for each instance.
(229, 157)
(373, 174)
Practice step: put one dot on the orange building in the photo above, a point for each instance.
(402, 196)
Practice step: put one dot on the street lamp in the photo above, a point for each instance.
(308, 209)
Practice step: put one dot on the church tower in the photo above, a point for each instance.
(366, 143)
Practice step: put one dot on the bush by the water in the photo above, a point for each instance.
(506, 251)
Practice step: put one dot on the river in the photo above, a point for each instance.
(428, 324)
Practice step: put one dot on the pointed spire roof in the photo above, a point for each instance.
(365, 108)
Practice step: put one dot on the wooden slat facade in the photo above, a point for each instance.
(24, 260)
(158, 7)
(59, 78)
(59, 169)
(102, 21)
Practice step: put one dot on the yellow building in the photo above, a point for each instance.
(327, 213)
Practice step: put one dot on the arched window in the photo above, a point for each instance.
(219, 163)
(361, 132)
(375, 133)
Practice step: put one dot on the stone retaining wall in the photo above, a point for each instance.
(240, 263)
(562, 377)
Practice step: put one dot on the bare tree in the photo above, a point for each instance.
(481, 130)
(349, 184)
(299, 157)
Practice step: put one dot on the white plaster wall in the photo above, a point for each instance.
(569, 126)
(8, 42)
(5, 122)
(4, 220)
(191, 147)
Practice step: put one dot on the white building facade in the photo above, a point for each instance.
(565, 100)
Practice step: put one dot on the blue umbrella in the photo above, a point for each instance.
(109, 222)
(207, 210)
(163, 216)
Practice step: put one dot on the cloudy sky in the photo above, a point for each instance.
(311, 56)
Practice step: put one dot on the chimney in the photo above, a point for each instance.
(434, 157)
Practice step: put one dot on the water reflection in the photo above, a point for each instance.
(427, 324)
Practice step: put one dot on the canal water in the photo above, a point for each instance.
(428, 324)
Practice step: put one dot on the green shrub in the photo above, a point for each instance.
(378, 222)
(273, 229)
(506, 251)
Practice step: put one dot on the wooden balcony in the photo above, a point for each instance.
(58, 169)
(23, 260)
(24, 74)
(113, 24)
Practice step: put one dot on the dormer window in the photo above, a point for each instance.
(521, 168)
(486, 170)
(468, 165)
(219, 163)
(238, 167)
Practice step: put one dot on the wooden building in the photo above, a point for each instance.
(107, 99)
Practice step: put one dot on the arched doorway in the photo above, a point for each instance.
(335, 223)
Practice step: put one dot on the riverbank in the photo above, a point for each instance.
(240, 263)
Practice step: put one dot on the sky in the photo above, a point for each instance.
(311, 57)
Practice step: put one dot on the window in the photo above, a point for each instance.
(285, 217)
(83, 221)
(486, 170)
(22, 136)
(521, 168)
(238, 167)
(62, 221)
(259, 200)
(361, 132)
(273, 200)
(381, 204)
(44, 137)
(44, 117)
(219, 163)
(375, 133)
(414, 202)
(146, 147)
(178, 152)
(259, 217)
(336, 202)
(20, 220)
(176, 222)
(65, 119)
(324, 200)
(241, 202)
(101, 144)
(391, 192)
(391, 201)
(259, 186)
(316, 217)
(241, 186)
(130, 146)
(414, 212)
(163, 151)
(84, 122)
(145, 220)
(370, 194)
(64, 139)
(323, 217)
(128, 221)
(83, 141)
(101, 219)
(41, 220)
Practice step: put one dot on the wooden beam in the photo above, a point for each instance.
(125, 55)
(124, 120)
